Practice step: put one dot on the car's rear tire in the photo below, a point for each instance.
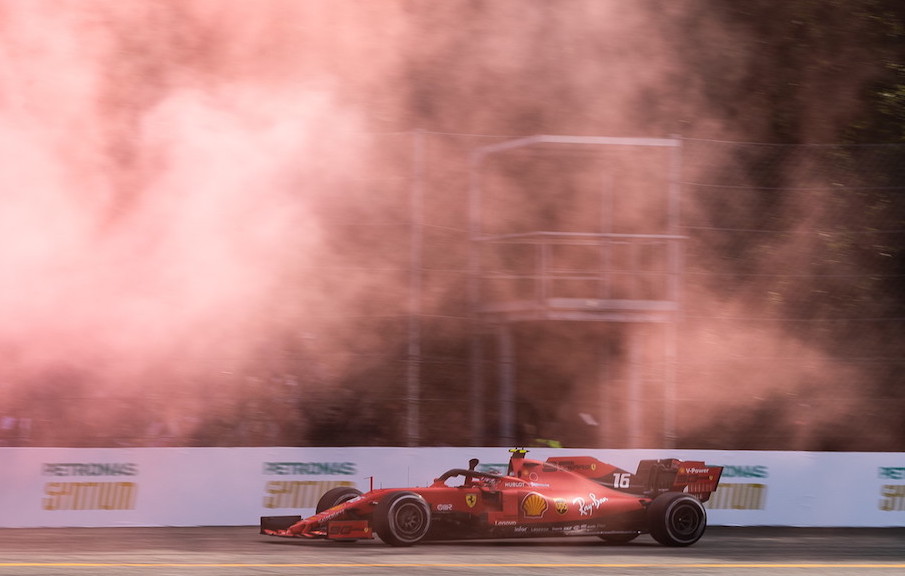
(335, 497)
(676, 519)
(402, 518)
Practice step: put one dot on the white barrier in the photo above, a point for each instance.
(60, 487)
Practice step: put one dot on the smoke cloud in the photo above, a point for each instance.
(206, 207)
(161, 182)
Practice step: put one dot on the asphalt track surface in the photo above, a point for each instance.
(234, 551)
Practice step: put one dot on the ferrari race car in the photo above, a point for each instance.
(562, 496)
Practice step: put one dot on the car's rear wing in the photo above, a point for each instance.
(673, 475)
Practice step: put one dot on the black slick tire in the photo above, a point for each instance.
(402, 518)
(335, 497)
(676, 519)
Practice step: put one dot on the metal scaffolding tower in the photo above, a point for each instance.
(608, 292)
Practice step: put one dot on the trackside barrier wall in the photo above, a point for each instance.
(73, 487)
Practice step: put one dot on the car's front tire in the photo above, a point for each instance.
(402, 518)
(335, 497)
(676, 519)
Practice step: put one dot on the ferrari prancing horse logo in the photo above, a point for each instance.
(471, 500)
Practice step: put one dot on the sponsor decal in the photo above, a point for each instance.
(298, 493)
(471, 500)
(309, 468)
(349, 529)
(89, 496)
(504, 523)
(579, 529)
(570, 465)
(444, 507)
(892, 472)
(513, 484)
(560, 506)
(893, 498)
(587, 507)
(534, 505)
(327, 516)
(740, 496)
(89, 469)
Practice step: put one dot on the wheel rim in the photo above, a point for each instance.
(409, 520)
(685, 520)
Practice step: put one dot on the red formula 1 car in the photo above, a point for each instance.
(565, 495)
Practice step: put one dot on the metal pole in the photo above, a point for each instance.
(413, 368)
(476, 360)
(669, 416)
(607, 207)
(635, 382)
(507, 386)
(675, 266)
(604, 395)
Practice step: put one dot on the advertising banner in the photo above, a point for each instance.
(60, 487)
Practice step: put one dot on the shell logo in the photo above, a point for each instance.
(534, 505)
